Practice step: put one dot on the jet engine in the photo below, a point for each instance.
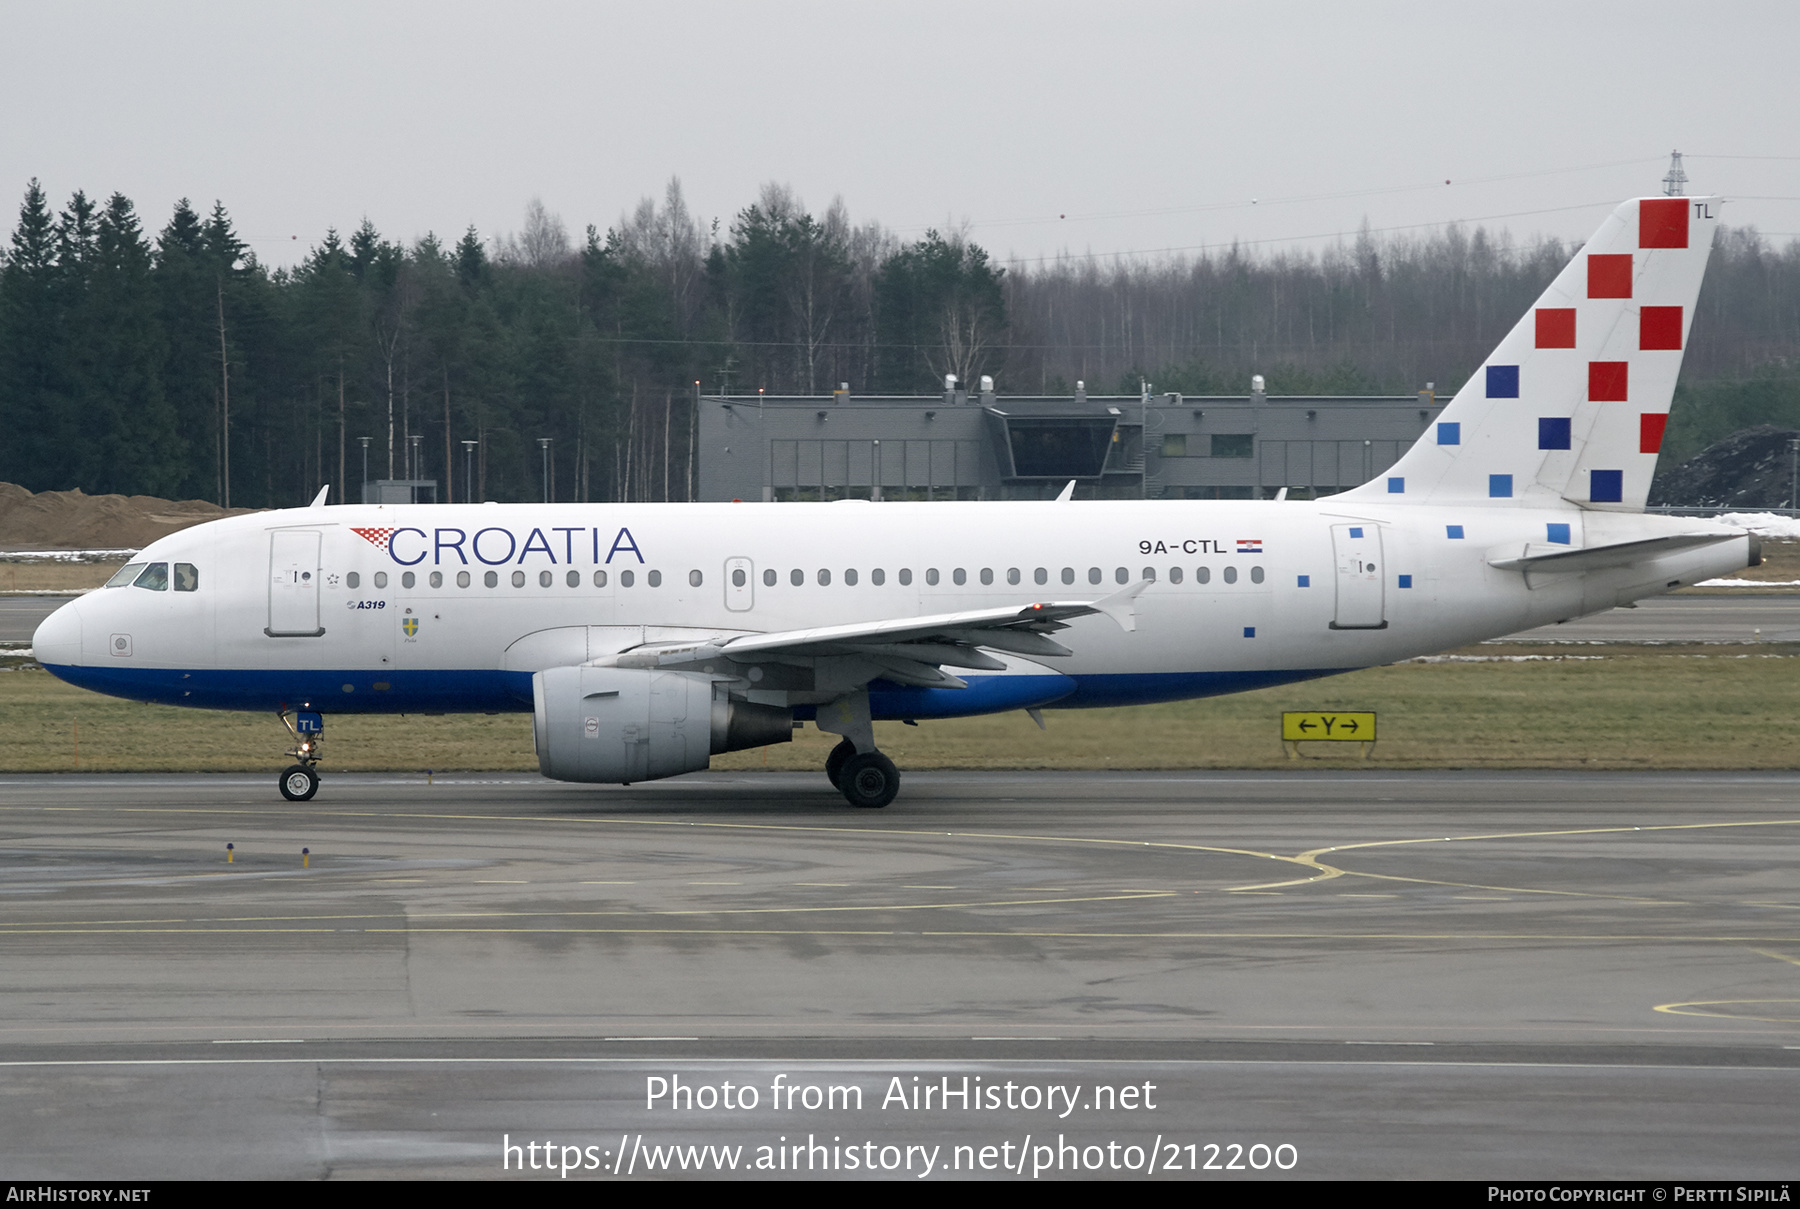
(621, 725)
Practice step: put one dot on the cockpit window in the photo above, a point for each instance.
(124, 575)
(187, 577)
(155, 577)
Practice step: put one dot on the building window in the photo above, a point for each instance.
(1233, 444)
(1175, 445)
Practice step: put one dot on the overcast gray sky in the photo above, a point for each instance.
(1085, 127)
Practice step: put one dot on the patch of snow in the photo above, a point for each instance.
(1748, 583)
(1768, 524)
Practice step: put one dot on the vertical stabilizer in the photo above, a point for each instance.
(1572, 405)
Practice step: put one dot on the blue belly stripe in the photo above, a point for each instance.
(492, 691)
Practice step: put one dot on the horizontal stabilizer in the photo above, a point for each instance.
(1599, 558)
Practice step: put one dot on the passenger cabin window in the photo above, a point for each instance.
(381, 579)
(625, 578)
(1068, 575)
(1202, 575)
(408, 579)
(599, 579)
(1041, 576)
(155, 577)
(769, 577)
(573, 579)
(878, 577)
(655, 578)
(1256, 575)
(931, 576)
(491, 579)
(960, 576)
(796, 577)
(187, 577)
(906, 577)
(353, 580)
(850, 577)
(124, 575)
(545, 579)
(1093, 575)
(1174, 575)
(437, 579)
(695, 579)
(1230, 575)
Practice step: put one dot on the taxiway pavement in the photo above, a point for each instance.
(1482, 975)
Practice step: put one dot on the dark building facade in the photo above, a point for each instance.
(981, 446)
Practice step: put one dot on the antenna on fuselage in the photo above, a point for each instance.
(319, 499)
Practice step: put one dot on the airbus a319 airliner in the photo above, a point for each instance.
(645, 638)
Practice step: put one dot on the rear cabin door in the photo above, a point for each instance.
(294, 584)
(1357, 549)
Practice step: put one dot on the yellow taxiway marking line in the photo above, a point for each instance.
(1320, 871)
(1458, 937)
(127, 924)
(1793, 961)
(1688, 1009)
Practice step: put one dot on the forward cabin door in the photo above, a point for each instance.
(1357, 551)
(294, 584)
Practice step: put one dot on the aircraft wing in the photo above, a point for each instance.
(909, 650)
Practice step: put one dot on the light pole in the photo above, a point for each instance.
(544, 444)
(364, 442)
(469, 471)
(416, 464)
(1794, 472)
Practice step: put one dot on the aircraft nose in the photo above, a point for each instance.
(58, 638)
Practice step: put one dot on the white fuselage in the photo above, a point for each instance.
(1242, 594)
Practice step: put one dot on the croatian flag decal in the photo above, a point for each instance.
(375, 537)
(1249, 545)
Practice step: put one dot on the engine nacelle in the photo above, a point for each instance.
(628, 724)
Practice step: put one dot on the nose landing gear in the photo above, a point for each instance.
(298, 782)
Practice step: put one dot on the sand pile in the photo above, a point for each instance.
(72, 520)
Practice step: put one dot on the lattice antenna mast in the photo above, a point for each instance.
(1675, 184)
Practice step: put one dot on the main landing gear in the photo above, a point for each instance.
(862, 774)
(298, 782)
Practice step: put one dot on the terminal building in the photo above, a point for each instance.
(977, 445)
